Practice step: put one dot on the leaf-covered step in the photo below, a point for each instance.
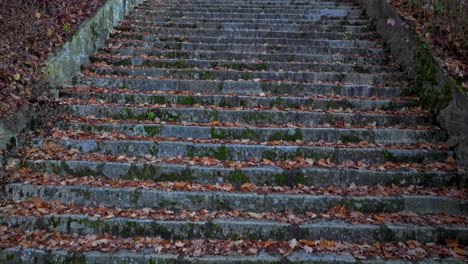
(303, 10)
(248, 115)
(238, 65)
(244, 152)
(271, 132)
(209, 74)
(251, 26)
(242, 5)
(95, 249)
(145, 83)
(312, 15)
(323, 21)
(131, 197)
(261, 47)
(236, 228)
(235, 100)
(151, 34)
(260, 175)
(127, 50)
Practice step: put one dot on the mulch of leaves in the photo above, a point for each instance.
(30, 31)
(13, 237)
(25, 176)
(443, 27)
(37, 207)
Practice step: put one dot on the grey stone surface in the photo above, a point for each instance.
(438, 92)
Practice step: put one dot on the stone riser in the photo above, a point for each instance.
(238, 229)
(174, 200)
(261, 175)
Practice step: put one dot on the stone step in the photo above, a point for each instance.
(40, 256)
(239, 87)
(128, 50)
(243, 5)
(239, 100)
(250, 26)
(245, 152)
(330, 134)
(208, 74)
(322, 21)
(260, 175)
(152, 33)
(216, 200)
(240, 65)
(290, 47)
(237, 228)
(295, 10)
(334, 14)
(247, 116)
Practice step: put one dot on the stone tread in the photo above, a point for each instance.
(179, 109)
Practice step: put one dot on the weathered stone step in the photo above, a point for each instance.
(248, 116)
(40, 256)
(129, 50)
(289, 76)
(252, 26)
(249, 26)
(311, 14)
(241, 65)
(353, 135)
(239, 87)
(151, 33)
(330, 11)
(322, 21)
(243, 5)
(237, 228)
(236, 100)
(292, 47)
(261, 175)
(212, 200)
(245, 152)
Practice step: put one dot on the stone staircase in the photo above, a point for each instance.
(234, 132)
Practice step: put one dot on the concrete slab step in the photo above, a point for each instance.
(237, 229)
(239, 87)
(239, 100)
(212, 200)
(261, 175)
(225, 64)
(207, 131)
(211, 74)
(248, 116)
(245, 152)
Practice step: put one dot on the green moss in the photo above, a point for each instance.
(269, 154)
(289, 135)
(217, 133)
(152, 130)
(130, 98)
(237, 177)
(212, 230)
(221, 153)
(261, 67)
(171, 117)
(279, 234)
(389, 155)
(281, 179)
(124, 62)
(205, 75)
(186, 100)
(277, 102)
(248, 133)
(350, 137)
(221, 86)
(157, 99)
(360, 69)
